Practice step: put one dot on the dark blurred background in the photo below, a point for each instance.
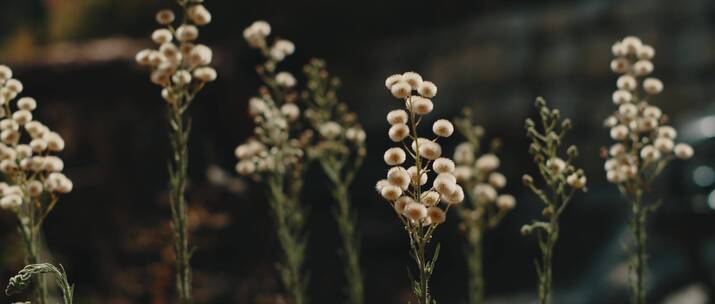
(111, 233)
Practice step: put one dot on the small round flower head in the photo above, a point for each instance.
(199, 14)
(444, 185)
(618, 49)
(627, 82)
(55, 142)
(246, 167)
(415, 211)
(576, 180)
(619, 65)
(556, 165)
(392, 80)
(161, 36)
(436, 215)
(391, 192)
(402, 202)
(5, 73)
(427, 89)
(652, 112)
(464, 153)
(401, 90)
(395, 156)
(187, 32)
(622, 96)
(395, 117)
(645, 52)
(664, 145)
(650, 153)
(413, 79)
(165, 17)
(398, 176)
(355, 134)
(443, 165)
(181, 77)
(462, 173)
(34, 188)
(632, 44)
(201, 55)
(421, 106)
(22, 117)
(497, 180)
(205, 74)
(443, 128)
(506, 202)
(398, 132)
(619, 132)
(381, 184)
(667, 132)
(290, 111)
(285, 79)
(487, 163)
(11, 202)
(284, 46)
(430, 150)
(27, 103)
(14, 86)
(330, 130)
(643, 67)
(455, 197)
(683, 151)
(652, 86)
(413, 175)
(617, 150)
(430, 198)
(485, 193)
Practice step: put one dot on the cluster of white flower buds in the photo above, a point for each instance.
(407, 188)
(478, 171)
(181, 69)
(645, 143)
(30, 168)
(272, 147)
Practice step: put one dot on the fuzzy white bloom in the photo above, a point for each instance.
(165, 17)
(199, 14)
(11, 202)
(391, 192)
(577, 181)
(443, 128)
(245, 167)
(683, 151)
(355, 134)
(22, 116)
(27, 103)
(201, 55)
(487, 163)
(14, 86)
(381, 184)
(622, 96)
(55, 142)
(652, 112)
(284, 46)
(652, 86)
(618, 49)
(398, 132)
(645, 52)
(5, 73)
(619, 132)
(664, 145)
(628, 110)
(444, 185)
(395, 156)
(455, 197)
(650, 153)
(617, 149)
(205, 74)
(464, 153)
(421, 106)
(427, 89)
(632, 44)
(34, 188)
(610, 122)
(58, 182)
(186, 33)
(398, 176)
(506, 202)
(413, 175)
(161, 36)
(619, 65)
(402, 202)
(430, 198)
(436, 215)
(643, 67)
(413, 79)
(290, 111)
(285, 79)
(462, 173)
(395, 117)
(443, 165)
(415, 211)
(497, 180)
(392, 80)
(556, 165)
(627, 82)
(401, 90)
(430, 150)
(667, 132)
(484, 193)
(53, 164)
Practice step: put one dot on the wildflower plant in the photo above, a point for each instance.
(339, 148)
(644, 144)
(180, 66)
(275, 155)
(477, 171)
(416, 202)
(561, 180)
(30, 274)
(33, 173)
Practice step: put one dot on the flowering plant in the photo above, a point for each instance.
(417, 205)
(644, 143)
(477, 171)
(562, 180)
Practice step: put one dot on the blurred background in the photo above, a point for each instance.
(112, 234)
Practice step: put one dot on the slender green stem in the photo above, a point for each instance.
(545, 273)
(475, 265)
(350, 244)
(178, 166)
(638, 262)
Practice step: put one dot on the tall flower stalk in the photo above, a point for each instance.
(416, 204)
(180, 67)
(477, 172)
(33, 175)
(275, 156)
(644, 145)
(340, 151)
(31, 273)
(561, 181)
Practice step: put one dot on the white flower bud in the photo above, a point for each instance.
(395, 117)
(330, 130)
(683, 151)
(381, 184)
(421, 106)
(186, 32)
(201, 55)
(290, 111)
(55, 143)
(401, 203)
(443, 165)
(22, 116)
(455, 197)
(392, 80)
(395, 156)
(484, 193)
(650, 153)
(622, 96)
(628, 110)
(618, 49)
(443, 128)
(464, 153)
(181, 78)
(664, 145)
(632, 44)
(413, 175)
(462, 173)
(285, 79)
(430, 198)
(53, 164)
(391, 192)
(34, 188)
(488, 163)
(436, 215)
(506, 202)
(430, 150)
(245, 167)
(23, 151)
(645, 52)
(398, 132)
(165, 17)
(205, 74)
(11, 202)
(199, 14)
(497, 180)
(355, 134)
(161, 36)
(9, 136)
(619, 65)
(398, 176)
(427, 89)
(444, 185)
(667, 132)
(27, 103)
(643, 67)
(652, 86)
(413, 79)
(401, 90)
(5, 73)
(415, 211)
(626, 82)
(577, 181)
(555, 165)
